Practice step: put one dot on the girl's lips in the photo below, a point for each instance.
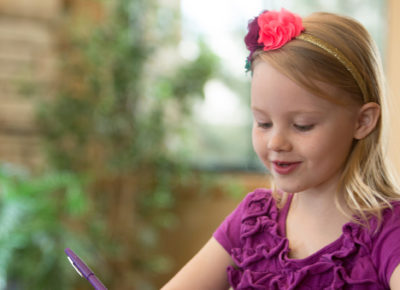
(283, 168)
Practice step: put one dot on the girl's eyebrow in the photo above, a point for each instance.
(293, 112)
(305, 112)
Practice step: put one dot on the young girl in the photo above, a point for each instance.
(333, 221)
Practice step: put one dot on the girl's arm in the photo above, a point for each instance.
(395, 279)
(206, 270)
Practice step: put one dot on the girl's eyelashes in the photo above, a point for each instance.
(304, 128)
(264, 125)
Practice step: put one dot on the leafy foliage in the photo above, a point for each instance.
(33, 228)
(117, 117)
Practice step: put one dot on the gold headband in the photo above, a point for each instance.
(339, 56)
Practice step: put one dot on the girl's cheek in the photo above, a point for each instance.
(255, 137)
(259, 143)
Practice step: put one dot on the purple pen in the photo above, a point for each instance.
(84, 270)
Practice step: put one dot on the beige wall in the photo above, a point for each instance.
(27, 57)
(43, 9)
(393, 77)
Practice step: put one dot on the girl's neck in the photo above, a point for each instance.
(321, 200)
(314, 220)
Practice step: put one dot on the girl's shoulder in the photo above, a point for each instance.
(256, 196)
(385, 237)
(390, 216)
(265, 195)
(260, 202)
(257, 204)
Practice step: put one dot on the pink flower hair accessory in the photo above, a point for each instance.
(272, 30)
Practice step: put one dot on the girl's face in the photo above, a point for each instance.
(302, 139)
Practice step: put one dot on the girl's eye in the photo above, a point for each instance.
(304, 128)
(264, 125)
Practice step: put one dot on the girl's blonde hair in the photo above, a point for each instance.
(367, 183)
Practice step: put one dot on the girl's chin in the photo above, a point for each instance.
(289, 188)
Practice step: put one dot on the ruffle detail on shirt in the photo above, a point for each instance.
(262, 261)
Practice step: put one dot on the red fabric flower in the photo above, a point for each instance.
(277, 28)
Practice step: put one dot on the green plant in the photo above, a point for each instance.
(117, 117)
(36, 214)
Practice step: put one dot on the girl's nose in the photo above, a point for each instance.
(279, 141)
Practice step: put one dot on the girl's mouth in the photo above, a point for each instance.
(283, 168)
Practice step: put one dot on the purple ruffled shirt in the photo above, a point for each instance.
(254, 235)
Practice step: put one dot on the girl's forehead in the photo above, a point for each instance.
(270, 85)
(268, 80)
(271, 88)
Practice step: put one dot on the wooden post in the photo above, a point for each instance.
(393, 79)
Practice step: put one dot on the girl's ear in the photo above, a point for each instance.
(368, 116)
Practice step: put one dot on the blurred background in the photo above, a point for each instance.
(125, 130)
